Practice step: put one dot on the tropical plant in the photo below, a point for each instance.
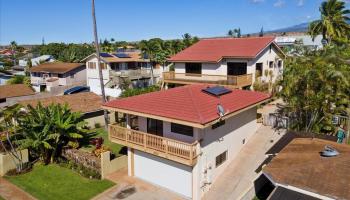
(138, 91)
(9, 132)
(333, 23)
(97, 48)
(46, 130)
(315, 87)
(19, 79)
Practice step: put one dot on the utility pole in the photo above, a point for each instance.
(97, 47)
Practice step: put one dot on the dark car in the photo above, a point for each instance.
(76, 89)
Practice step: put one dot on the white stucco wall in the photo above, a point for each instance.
(165, 173)
(230, 137)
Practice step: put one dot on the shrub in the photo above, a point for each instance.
(97, 125)
(138, 91)
(81, 169)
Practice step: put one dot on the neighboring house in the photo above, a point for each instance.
(177, 139)
(300, 172)
(300, 40)
(88, 103)
(4, 76)
(9, 94)
(117, 68)
(49, 75)
(233, 62)
(41, 59)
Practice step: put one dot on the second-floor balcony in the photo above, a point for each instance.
(171, 149)
(134, 73)
(226, 80)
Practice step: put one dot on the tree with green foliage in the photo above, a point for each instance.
(19, 79)
(66, 52)
(333, 23)
(46, 130)
(261, 34)
(315, 87)
(138, 91)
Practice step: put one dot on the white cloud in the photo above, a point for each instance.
(279, 3)
(257, 1)
(300, 2)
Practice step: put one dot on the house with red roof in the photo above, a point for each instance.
(234, 62)
(183, 138)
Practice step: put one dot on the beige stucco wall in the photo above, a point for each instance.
(98, 119)
(7, 163)
(109, 166)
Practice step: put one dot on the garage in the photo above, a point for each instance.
(162, 172)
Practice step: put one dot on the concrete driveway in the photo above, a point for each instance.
(240, 175)
(131, 188)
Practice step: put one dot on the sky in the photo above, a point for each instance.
(29, 21)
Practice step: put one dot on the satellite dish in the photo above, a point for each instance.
(221, 110)
(329, 151)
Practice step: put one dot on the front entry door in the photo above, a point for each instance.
(236, 68)
(155, 127)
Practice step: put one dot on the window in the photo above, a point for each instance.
(193, 68)
(155, 127)
(182, 129)
(271, 64)
(115, 66)
(218, 124)
(258, 69)
(279, 64)
(221, 159)
(91, 65)
(103, 65)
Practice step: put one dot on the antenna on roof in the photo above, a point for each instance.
(221, 110)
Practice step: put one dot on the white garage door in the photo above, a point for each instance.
(165, 173)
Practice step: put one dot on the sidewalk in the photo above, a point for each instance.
(9, 191)
(240, 175)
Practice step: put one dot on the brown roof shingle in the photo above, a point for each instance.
(56, 67)
(300, 165)
(84, 102)
(16, 90)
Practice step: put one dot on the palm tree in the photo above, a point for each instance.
(333, 23)
(230, 33)
(14, 47)
(99, 63)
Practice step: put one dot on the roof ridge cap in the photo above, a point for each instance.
(189, 89)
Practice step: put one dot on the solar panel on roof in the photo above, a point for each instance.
(105, 55)
(122, 55)
(217, 90)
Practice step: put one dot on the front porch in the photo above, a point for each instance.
(178, 151)
(225, 80)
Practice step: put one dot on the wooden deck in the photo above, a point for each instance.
(174, 150)
(186, 78)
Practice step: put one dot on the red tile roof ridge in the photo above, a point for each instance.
(225, 38)
(201, 119)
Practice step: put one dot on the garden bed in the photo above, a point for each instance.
(53, 182)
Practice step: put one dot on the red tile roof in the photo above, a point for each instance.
(213, 50)
(187, 103)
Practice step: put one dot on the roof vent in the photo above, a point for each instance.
(216, 90)
(329, 152)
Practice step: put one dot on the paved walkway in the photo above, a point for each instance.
(143, 190)
(240, 175)
(9, 191)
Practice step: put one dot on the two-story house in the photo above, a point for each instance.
(124, 66)
(234, 62)
(49, 75)
(183, 138)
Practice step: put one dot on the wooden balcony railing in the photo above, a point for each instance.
(228, 80)
(177, 151)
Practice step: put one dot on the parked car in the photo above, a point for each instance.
(76, 89)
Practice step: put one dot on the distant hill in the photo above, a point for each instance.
(296, 28)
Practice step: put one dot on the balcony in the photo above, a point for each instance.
(134, 73)
(174, 150)
(225, 80)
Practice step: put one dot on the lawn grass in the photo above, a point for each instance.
(53, 182)
(1, 198)
(100, 132)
